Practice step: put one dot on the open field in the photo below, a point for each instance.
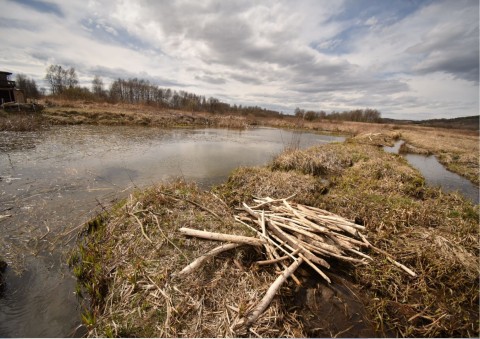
(128, 258)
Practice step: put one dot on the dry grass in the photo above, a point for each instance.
(434, 233)
(20, 122)
(317, 160)
(81, 112)
(132, 281)
(245, 183)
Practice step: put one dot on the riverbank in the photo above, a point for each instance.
(128, 258)
(458, 150)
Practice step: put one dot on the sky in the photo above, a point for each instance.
(409, 59)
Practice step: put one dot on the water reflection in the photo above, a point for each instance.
(54, 180)
(395, 148)
(436, 174)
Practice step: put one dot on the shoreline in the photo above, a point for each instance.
(457, 150)
(353, 179)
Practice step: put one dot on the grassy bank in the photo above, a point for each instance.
(128, 258)
(79, 112)
(458, 152)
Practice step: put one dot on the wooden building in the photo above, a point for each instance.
(8, 92)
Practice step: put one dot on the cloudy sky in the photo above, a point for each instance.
(408, 58)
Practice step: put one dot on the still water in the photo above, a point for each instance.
(52, 181)
(436, 174)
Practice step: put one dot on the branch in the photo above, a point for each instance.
(221, 237)
(200, 260)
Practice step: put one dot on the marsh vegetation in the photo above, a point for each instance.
(136, 291)
(131, 282)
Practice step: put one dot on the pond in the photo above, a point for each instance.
(52, 181)
(436, 174)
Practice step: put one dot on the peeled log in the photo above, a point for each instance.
(221, 237)
(200, 260)
(272, 290)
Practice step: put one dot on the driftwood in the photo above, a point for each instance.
(295, 233)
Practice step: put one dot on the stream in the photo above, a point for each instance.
(52, 181)
(436, 174)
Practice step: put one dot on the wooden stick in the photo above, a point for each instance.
(361, 254)
(262, 223)
(351, 240)
(221, 237)
(328, 215)
(393, 261)
(312, 265)
(200, 260)
(272, 290)
(403, 267)
(296, 222)
(330, 254)
(266, 238)
(141, 227)
(250, 211)
(305, 220)
(268, 200)
(273, 261)
(313, 236)
(293, 276)
(295, 243)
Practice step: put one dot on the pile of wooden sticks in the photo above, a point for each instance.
(292, 234)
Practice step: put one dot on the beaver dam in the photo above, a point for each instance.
(361, 247)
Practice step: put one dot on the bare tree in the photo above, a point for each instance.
(60, 78)
(97, 87)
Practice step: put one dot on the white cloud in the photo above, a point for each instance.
(314, 54)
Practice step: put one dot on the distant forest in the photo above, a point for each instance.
(63, 83)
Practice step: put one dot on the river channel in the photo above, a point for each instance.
(52, 181)
(436, 174)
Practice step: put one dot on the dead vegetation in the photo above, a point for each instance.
(129, 265)
(20, 122)
(94, 113)
(129, 260)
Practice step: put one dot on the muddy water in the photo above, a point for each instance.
(52, 181)
(436, 174)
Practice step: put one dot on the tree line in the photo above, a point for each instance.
(360, 115)
(28, 85)
(139, 91)
(63, 82)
